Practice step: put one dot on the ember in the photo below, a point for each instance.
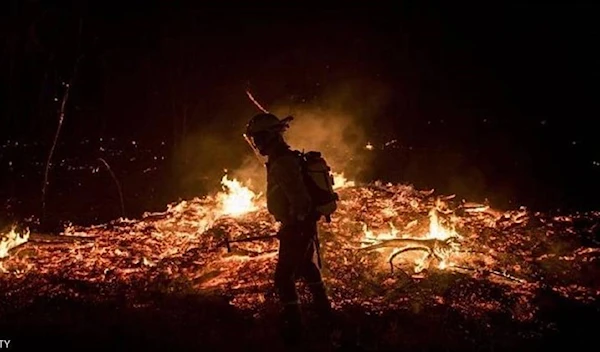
(516, 251)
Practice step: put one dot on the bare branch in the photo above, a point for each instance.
(61, 117)
(117, 183)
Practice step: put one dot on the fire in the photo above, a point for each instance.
(340, 181)
(184, 247)
(236, 200)
(439, 242)
(370, 236)
(436, 230)
(11, 240)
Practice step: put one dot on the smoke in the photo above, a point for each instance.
(252, 173)
(334, 133)
(337, 122)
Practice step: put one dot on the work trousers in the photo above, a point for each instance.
(299, 257)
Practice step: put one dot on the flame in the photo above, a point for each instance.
(11, 240)
(236, 199)
(185, 244)
(370, 236)
(340, 181)
(437, 231)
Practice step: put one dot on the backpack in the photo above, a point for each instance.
(319, 183)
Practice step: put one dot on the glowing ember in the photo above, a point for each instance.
(438, 243)
(11, 240)
(236, 199)
(468, 248)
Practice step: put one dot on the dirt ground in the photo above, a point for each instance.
(180, 322)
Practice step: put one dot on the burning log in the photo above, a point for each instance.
(53, 239)
(13, 241)
(229, 241)
(435, 248)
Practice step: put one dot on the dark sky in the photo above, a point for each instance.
(513, 89)
(535, 62)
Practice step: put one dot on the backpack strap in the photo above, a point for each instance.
(301, 156)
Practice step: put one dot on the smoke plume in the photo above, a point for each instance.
(337, 122)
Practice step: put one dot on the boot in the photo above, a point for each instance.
(321, 301)
(293, 327)
(325, 324)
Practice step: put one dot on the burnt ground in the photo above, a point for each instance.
(181, 321)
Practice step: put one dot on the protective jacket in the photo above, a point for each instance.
(287, 196)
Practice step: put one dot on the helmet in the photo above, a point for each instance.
(266, 122)
(263, 129)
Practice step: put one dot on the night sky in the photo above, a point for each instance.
(488, 102)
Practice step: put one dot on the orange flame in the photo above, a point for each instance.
(236, 200)
(11, 240)
(437, 231)
(340, 181)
